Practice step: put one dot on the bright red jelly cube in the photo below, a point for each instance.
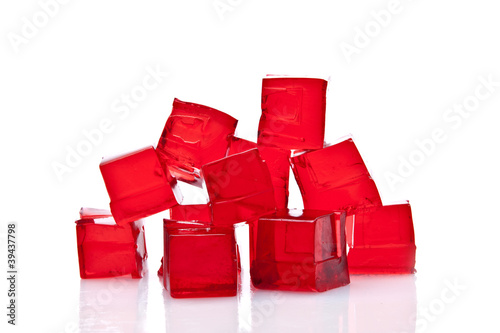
(194, 135)
(200, 260)
(278, 162)
(199, 213)
(335, 178)
(301, 250)
(381, 240)
(293, 113)
(137, 185)
(239, 187)
(106, 249)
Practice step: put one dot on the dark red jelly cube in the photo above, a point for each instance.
(335, 178)
(137, 185)
(293, 113)
(381, 240)
(106, 249)
(239, 187)
(278, 162)
(194, 135)
(301, 250)
(198, 212)
(200, 261)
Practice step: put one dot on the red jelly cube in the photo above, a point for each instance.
(106, 249)
(381, 240)
(193, 136)
(293, 113)
(137, 185)
(335, 178)
(199, 213)
(278, 162)
(200, 261)
(301, 250)
(239, 187)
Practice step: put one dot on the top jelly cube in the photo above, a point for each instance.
(193, 135)
(301, 250)
(239, 187)
(293, 113)
(106, 249)
(335, 178)
(137, 185)
(381, 240)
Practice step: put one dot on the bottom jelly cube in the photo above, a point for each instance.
(301, 250)
(199, 260)
(199, 213)
(381, 240)
(106, 249)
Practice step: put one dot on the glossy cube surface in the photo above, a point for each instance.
(278, 163)
(239, 187)
(293, 113)
(198, 212)
(137, 185)
(106, 249)
(193, 135)
(301, 251)
(239, 145)
(199, 260)
(335, 178)
(381, 240)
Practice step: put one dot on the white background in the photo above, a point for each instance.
(65, 78)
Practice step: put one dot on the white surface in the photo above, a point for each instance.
(70, 77)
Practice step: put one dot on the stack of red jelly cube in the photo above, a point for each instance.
(247, 182)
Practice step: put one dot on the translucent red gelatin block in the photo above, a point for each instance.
(200, 261)
(335, 178)
(239, 187)
(381, 240)
(198, 213)
(106, 249)
(301, 250)
(293, 113)
(137, 185)
(278, 162)
(193, 136)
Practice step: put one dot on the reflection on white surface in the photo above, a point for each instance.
(383, 303)
(369, 304)
(113, 305)
(219, 314)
